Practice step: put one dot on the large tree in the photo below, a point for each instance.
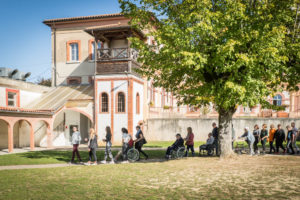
(228, 52)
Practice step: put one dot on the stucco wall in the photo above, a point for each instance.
(165, 129)
(3, 135)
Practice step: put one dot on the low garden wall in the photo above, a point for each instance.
(165, 129)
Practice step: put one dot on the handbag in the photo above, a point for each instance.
(144, 141)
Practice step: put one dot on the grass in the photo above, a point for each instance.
(63, 156)
(242, 177)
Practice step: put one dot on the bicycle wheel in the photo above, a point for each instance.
(132, 155)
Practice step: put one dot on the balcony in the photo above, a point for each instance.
(117, 54)
(117, 60)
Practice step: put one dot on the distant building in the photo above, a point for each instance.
(94, 84)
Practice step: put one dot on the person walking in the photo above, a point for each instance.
(92, 145)
(189, 142)
(263, 137)
(279, 138)
(108, 145)
(215, 133)
(296, 134)
(290, 137)
(249, 139)
(76, 139)
(271, 138)
(256, 134)
(140, 141)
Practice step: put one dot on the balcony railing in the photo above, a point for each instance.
(117, 54)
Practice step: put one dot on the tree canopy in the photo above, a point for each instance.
(228, 52)
(225, 52)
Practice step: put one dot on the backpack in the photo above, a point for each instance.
(130, 143)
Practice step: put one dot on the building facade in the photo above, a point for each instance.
(94, 84)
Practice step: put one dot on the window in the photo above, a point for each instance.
(92, 48)
(104, 102)
(74, 80)
(12, 98)
(277, 100)
(73, 51)
(121, 102)
(137, 103)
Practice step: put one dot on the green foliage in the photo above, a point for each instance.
(233, 52)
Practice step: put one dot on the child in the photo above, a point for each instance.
(256, 134)
(92, 145)
(125, 140)
(108, 146)
(178, 143)
(249, 139)
(290, 138)
(209, 141)
(263, 137)
(279, 138)
(271, 138)
(189, 141)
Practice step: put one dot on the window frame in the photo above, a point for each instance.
(17, 98)
(92, 50)
(101, 103)
(117, 102)
(277, 100)
(69, 51)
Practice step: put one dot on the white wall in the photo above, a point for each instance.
(27, 97)
(120, 119)
(104, 119)
(40, 134)
(137, 88)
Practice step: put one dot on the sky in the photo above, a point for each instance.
(25, 42)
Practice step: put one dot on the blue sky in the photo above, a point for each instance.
(25, 42)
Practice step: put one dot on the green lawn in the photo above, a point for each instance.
(63, 156)
(243, 177)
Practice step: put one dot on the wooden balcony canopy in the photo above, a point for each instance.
(116, 31)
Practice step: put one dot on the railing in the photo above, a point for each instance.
(117, 54)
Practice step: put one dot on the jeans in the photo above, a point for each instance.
(216, 142)
(125, 148)
(93, 152)
(290, 146)
(295, 145)
(75, 151)
(138, 147)
(255, 145)
(272, 148)
(108, 151)
(250, 145)
(263, 143)
(188, 147)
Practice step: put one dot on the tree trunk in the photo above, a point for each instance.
(225, 133)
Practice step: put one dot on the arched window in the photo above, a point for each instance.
(137, 103)
(277, 100)
(121, 102)
(104, 102)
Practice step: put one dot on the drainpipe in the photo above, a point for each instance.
(54, 58)
(95, 70)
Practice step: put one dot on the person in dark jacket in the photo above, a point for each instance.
(290, 137)
(140, 141)
(107, 140)
(279, 138)
(215, 133)
(256, 134)
(178, 143)
(92, 145)
(263, 137)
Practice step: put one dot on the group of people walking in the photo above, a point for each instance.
(273, 135)
(253, 138)
(92, 140)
